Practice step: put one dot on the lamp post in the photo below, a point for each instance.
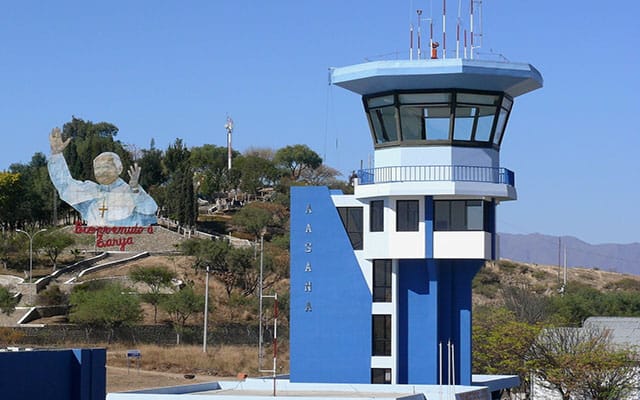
(30, 250)
(260, 355)
(206, 311)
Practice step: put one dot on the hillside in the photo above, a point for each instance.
(494, 276)
(543, 279)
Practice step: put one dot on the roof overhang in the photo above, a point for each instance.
(386, 76)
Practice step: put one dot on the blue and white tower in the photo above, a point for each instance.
(381, 279)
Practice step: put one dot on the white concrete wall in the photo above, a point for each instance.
(436, 155)
(462, 245)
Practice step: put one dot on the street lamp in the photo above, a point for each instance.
(206, 311)
(30, 250)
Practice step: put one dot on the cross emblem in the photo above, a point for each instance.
(103, 208)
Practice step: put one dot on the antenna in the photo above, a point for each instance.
(419, 12)
(229, 127)
(411, 41)
(444, 28)
(473, 34)
(458, 30)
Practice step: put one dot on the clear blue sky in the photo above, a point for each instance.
(168, 69)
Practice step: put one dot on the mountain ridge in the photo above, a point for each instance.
(538, 248)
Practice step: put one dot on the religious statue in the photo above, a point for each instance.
(110, 201)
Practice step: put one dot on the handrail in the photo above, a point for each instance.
(436, 173)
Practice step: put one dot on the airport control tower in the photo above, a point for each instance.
(381, 279)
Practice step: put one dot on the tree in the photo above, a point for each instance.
(257, 172)
(180, 306)
(252, 219)
(156, 278)
(526, 305)
(53, 296)
(501, 343)
(151, 164)
(10, 192)
(583, 362)
(110, 306)
(8, 302)
(322, 175)
(296, 159)
(53, 243)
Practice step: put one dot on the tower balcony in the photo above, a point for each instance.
(444, 180)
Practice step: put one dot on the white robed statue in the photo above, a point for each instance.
(109, 202)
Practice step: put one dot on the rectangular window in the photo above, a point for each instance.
(381, 327)
(461, 215)
(407, 215)
(376, 216)
(352, 220)
(382, 281)
(381, 375)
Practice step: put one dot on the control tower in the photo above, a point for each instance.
(381, 279)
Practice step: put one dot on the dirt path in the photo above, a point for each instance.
(120, 379)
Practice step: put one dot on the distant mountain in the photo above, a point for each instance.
(549, 250)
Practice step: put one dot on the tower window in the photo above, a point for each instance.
(376, 216)
(434, 118)
(461, 215)
(352, 220)
(381, 327)
(407, 215)
(382, 281)
(381, 375)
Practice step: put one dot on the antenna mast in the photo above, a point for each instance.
(229, 127)
(419, 12)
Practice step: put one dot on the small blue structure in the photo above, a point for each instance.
(78, 374)
(381, 279)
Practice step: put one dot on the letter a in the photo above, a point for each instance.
(309, 210)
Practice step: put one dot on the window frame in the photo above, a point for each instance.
(376, 216)
(438, 209)
(384, 286)
(394, 102)
(354, 232)
(402, 216)
(381, 344)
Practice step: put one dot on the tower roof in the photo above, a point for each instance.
(384, 76)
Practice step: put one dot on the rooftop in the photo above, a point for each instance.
(384, 76)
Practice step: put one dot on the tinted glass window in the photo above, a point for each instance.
(465, 118)
(424, 98)
(502, 119)
(412, 121)
(485, 123)
(376, 216)
(437, 122)
(407, 215)
(381, 375)
(352, 220)
(381, 327)
(461, 215)
(382, 281)
(384, 124)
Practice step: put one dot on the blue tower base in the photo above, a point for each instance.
(434, 326)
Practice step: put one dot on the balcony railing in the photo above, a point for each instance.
(436, 173)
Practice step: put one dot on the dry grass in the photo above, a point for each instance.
(220, 361)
